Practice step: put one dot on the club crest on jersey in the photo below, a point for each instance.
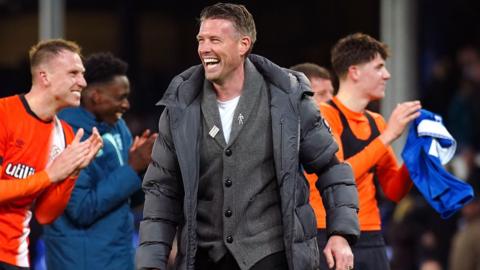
(19, 171)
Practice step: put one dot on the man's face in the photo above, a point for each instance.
(65, 78)
(322, 89)
(373, 77)
(220, 49)
(111, 100)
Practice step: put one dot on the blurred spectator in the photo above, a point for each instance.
(418, 234)
(465, 251)
(320, 80)
(430, 264)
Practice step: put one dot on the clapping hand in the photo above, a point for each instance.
(141, 150)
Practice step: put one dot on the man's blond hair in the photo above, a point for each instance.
(46, 49)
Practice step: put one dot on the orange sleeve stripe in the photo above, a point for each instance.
(15, 189)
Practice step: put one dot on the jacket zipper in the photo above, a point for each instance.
(281, 144)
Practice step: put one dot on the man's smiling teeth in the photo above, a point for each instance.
(211, 61)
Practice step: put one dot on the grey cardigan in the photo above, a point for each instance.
(300, 141)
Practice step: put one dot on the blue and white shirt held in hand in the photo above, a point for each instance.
(429, 146)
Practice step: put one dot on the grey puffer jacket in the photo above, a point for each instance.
(301, 141)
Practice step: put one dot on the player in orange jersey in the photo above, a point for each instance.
(40, 156)
(364, 141)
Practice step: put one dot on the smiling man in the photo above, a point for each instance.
(39, 156)
(364, 139)
(226, 165)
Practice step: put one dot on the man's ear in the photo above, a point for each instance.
(353, 72)
(42, 77)
(244, 44)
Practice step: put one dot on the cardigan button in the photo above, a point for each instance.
(228, 182)
(229, 239)
(228, 152)
(228, 213)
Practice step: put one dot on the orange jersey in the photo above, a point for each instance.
(394, 181)
(25, 148)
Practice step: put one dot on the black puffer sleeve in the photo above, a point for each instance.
(163, 202)
(335, 179)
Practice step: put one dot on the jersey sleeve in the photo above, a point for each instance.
(395, 181)
(17, 189)
(51, 203)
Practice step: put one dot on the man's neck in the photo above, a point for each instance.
(41, 104)
(352, 98)
(231, 87)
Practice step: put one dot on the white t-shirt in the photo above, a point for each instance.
(227, 109)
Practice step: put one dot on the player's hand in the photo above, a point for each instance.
(68, 160)
(95, 143)
(401, 116)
